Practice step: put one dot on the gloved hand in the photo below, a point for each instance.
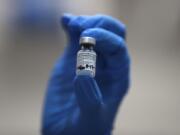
(81, 105)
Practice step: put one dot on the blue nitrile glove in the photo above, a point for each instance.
(81, 105)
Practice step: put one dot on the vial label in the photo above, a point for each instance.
(86, 63)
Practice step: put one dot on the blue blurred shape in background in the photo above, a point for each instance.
(36, 14)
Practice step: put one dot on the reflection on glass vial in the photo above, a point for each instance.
(86, 57)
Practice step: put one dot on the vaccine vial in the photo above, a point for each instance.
(86, 57)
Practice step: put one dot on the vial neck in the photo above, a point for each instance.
(87, 47)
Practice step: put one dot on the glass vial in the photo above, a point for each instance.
(86, 57)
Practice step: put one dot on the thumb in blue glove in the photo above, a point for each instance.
(81, 105)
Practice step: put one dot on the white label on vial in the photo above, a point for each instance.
(86, 63)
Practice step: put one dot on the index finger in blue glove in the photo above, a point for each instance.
(78, 24)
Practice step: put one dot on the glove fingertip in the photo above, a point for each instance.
(65, 19)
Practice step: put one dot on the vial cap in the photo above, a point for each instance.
(87, 40)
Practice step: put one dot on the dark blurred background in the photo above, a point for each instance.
(31, 39)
